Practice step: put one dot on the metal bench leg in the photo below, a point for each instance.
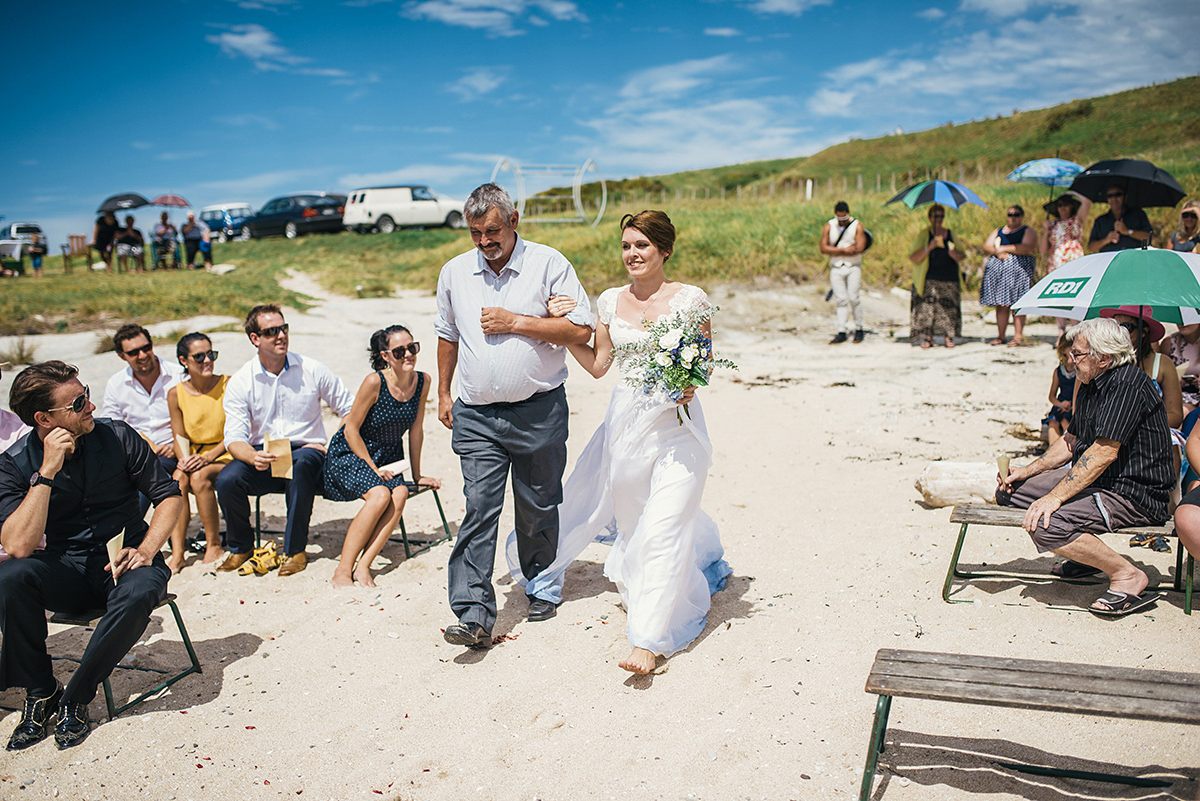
(878, 731)
(953, 571)
(194, 667)
(1187, 583)
(408, 549)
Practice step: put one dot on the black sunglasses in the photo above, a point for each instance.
(274, 330)
(1016, 214)
(1187, 215)
(1115, 194)
(138, 351)
(413, 347)
(204, 356)
(77, 405)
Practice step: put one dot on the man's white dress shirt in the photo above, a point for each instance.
(505, 368)
(146, 412)
(260, 404)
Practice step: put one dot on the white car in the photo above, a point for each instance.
(23, 232)
(386, 208)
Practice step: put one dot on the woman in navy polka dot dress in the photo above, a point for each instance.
(390, 402)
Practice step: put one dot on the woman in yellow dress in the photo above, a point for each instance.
(198, 422)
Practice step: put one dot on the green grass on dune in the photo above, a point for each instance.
(768, 232)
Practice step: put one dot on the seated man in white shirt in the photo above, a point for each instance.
(276, 395)
(137, 395)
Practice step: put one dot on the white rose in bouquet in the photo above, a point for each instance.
(670, 339)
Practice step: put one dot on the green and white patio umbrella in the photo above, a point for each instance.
(1163, 280)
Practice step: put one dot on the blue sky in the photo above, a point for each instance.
(229, 100)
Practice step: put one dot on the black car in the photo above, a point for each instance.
(292, 215)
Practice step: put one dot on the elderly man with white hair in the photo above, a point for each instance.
(1111, 470)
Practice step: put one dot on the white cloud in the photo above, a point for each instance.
(1130, 43)
(722, 32)
(497, 17)
(477, 82)
(186, 155)
(29, 162)
(932, 13)
(434, 175)
(1001, 8)
(255, 43)
(672, 80)
(140, 145)
(793, 7)
(244, 120)
(263, 5)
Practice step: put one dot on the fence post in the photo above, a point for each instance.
(893, 183)
(878, 184)
(808, 187)
(860, 183)
(960, 174)
(772, 189)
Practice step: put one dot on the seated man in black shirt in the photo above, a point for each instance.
(76, 480)
(1121, 472)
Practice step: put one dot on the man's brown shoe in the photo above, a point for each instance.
(294, 564)
(233, 561)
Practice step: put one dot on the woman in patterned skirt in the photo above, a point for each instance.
(1008, 272)
(390, 402)
(937, 283)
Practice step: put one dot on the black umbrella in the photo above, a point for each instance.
(1144, 184)
(129, 200)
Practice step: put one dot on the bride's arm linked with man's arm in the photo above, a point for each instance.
(596, 360)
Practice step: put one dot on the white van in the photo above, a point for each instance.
(386, 208)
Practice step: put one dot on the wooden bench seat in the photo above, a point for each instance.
(980, 514)
(1134, 693)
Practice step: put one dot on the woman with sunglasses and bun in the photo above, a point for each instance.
(198, 423)
(390, 402)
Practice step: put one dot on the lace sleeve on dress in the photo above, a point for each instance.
(606, 305)
(688, 298)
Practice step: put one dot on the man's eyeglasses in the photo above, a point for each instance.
(274, 331)
(1077, 355)
(1015, 214)
(204, 356)
(413, 347)
(139, 351)
(77, 405)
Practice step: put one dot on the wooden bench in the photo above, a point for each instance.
(987, 515)
(1134, 693)
(88, 619)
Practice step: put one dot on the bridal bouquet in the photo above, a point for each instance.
(674, 355)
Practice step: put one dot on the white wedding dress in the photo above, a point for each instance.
(642, 475)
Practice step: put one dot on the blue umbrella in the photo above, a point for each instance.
(1048, 172)
(947, 193)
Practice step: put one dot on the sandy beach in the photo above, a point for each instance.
(320, 694)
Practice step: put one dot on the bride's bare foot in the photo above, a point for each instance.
(175, 563)
(363, 577)
(213, 553)
(639, 661)
(342, 579)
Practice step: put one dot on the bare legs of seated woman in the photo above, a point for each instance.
(367, 534)
(202, 484)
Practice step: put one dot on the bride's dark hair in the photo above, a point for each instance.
(657, 227)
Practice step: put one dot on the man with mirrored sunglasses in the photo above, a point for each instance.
(275, 395)
(74, 479)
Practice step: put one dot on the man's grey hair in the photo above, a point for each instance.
(1105, 337)
(486, 198)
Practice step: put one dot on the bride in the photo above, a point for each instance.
(643, 472)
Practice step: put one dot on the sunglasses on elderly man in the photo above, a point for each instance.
(77, 405)
(413, 347)
(274, 331)
(203, 356)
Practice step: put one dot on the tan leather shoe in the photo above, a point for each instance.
(294, 564)
(233, 561)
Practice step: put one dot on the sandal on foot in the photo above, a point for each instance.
(264, 560)
(1120, 604)
(1071, 570)
(997, 341)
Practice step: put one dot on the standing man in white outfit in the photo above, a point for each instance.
(844, 239)
(495, 329)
